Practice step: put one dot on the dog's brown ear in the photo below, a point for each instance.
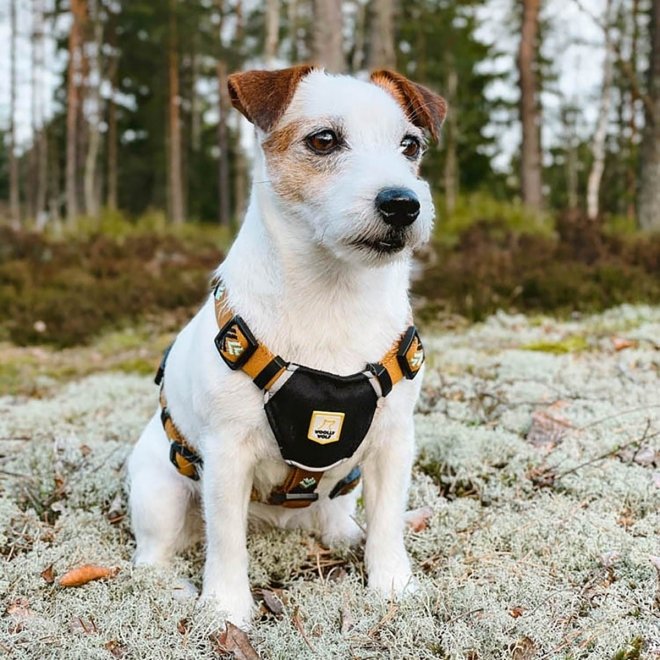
(263, 96)
(424, 108)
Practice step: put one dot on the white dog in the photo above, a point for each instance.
(318, 275)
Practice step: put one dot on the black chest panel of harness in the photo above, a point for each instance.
(320, 419)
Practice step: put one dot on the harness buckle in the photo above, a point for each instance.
(235, 343)
(281, 498)
(410, 355)
(382, 376)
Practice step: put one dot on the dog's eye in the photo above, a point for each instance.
(410, 147)
(323, 142)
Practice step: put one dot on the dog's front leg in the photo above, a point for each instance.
(386, 481)
(227, 482)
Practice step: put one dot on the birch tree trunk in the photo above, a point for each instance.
(530, 166)
(78, 10)
(14, 191)
(40, 136)
(272, 32)
(600, 135)
(328, 42)
(451, 137)
(292, 19)
(649, 194)
(382, 53)
(174, 126)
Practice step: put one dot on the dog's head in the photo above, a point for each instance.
(342, 155)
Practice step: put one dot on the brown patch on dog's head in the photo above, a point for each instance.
(279, 140)
(263, 96)
(424, 108)
(294, 172)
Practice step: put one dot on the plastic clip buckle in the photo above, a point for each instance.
(408, 367)
(236, 323)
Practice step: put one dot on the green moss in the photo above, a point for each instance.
(571, 344)
(632, 651)
(136, 366)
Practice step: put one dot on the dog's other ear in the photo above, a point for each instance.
(424, 108)
(263, 96)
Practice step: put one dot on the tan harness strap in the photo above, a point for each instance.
(182, 454)
(238, 342)
(298, 490)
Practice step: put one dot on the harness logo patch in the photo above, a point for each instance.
(325, 427)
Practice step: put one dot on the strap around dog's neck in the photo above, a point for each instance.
(241, 350)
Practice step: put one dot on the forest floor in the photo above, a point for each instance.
(539, 462)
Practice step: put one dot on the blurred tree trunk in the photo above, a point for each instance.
(569, 116)
(530, 166)
(328, 42)
(14, 192)
(111, 146)
(224, 195)
(78, 9)
(174, 138)
(649, 194)
(382, 53)
(451, 137)
(272, 32)
(631, 175)
(40, 131)
(357, 61)
(600, 135)
(94, 81)
(292, 18)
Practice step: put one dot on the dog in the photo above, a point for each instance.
(314, 288)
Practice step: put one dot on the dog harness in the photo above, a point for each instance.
(319, 419)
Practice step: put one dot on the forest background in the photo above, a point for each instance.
(124, 172)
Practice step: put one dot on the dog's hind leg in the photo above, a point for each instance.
(162, 502)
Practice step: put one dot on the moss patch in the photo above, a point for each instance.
(509, 564)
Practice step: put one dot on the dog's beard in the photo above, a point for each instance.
(389, 242)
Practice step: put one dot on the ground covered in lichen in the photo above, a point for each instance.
(539, 457)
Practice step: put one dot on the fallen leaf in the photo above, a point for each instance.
(516, 612)
(85, 450)
(84, 574)
(548, 428)
(417, 519)
(272, 602)
(20, 608)
(48, 575)
(182, 626)
(115, 648)
(523, 649)
(621, 343)
(345, 618)
(115, 512)
(233, 640)
(78, 624)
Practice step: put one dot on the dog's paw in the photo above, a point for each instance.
(342, 531)
(183, 590)
(232, 607)
(393, 583)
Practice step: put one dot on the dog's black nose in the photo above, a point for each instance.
(399, 207)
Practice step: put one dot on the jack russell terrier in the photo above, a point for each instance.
(297, 376)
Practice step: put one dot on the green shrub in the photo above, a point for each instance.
(63, 292)
(491, 267)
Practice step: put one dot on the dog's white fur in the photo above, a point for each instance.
(310, 297)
